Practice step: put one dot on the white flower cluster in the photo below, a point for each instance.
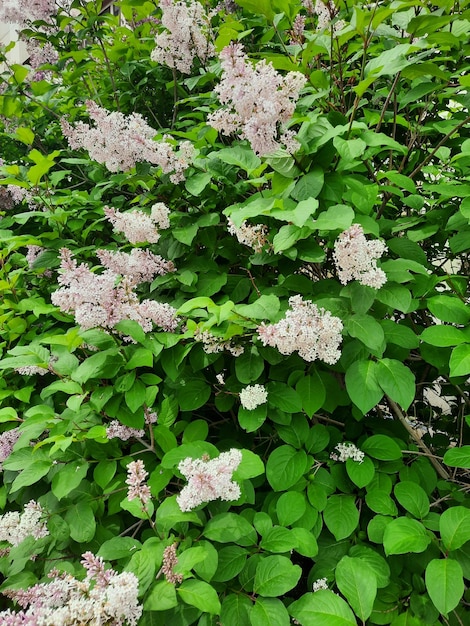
(253, 396)
(209, 479)
(212, 344)
(356, 258)
(137, 226)
(320, 583)
(15, 527)
(347, 451)
(252, 236)
(104, 597)
(314, 333)
(186, 37)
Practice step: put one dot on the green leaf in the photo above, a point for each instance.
(143, 565)
(358, 584)
(81, 521)
(381, 447)
(454, 527)
(403, 535)
(306, 542)
(231, 561)
(449, 309)
(397, 381)
(68, 478)
(249, 366)
(269, 612)
(235, 610)
(322, 608)
(458, 457)
(251, 466)
(228, 527)
(362, 385)
(309, 185)
(161, 597)
(341, 516)
(285, 467)
(443, 336)
(290, 507)
(412, 498)
(284, 397)
(444, 583)
(312, 393)
(278, 539)
(360, 473)
(252, 419)
(201, 595)
(374, 561)
(275, 576)
(460, 360)
(168, 514)
(264, 308)
(259, 7)
(193, 394)
(395, 296)
(337, 217)
(31, 475)
(379, 501)
(118, 548)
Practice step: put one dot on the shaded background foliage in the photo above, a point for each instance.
(382, 125)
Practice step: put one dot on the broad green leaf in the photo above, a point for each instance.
(443, 336)
(449, 309)
(118, 548)
(235, 610)
(403, 535)
(460, 360)
(68, 478)
(264, 308)
(337, 217)
(306, 542)
(249, 366)
(358, 584)
(228, 527)
(412, 498)
(81, 521)
(31, 475)
(285, 467)
(200, 594)
(360, 473)
(269, 612)
(396, 296)
(444, 583)
(193, 394)
(275, 576)
(362, 385)
(379, 501)
(290, 507)
(168, 514)
(251, 465)
(454, 527)
(458, 457)
(232, 560)
(374, 561)
(397, 381)
(284, 397)
(341, 516)
(278, 539)
(381, 447)
(322, 608)
(312, 393)
(143, 565)
(252, 419)
(309, 185)
(161, 597)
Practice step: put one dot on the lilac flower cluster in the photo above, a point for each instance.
(170, 561)
(356, 258)
(212, 344)
(21, 12)
(345, 451)
(253, 396)
(209, 479)
(137, 226)
(252, 236)
(187, 35)
(139, 265)
(39, 56)
(104, 299)
(120, 431)
(136, 477)
(258, 100)
(7, 442)
(15, 526)
(103, 597)
(121, 141)
(312, 332)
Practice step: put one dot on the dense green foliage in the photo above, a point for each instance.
(381, 122)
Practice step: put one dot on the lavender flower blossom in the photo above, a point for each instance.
(253, 396)
(312, 332)
(252, 236)
(170, 561)
(21, 12)
(258, 100)
(137, 226)
(187, 35)
(209, 480)
(356, 258)
(7, 442)
(121, 141)
(136, 476)
(15, 527)
(104, 597)
(139, 266)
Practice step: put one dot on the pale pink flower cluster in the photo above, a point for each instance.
(252, 236)
(18, 194)
(136, 477)
(209, 480)
(297, 31)
(356, 258)
(39, 56)
(318, 584)
(30, 370)
(103, 597)
(253, 396)
(32, 254)
(15, 526)
(137, 226)
(7, 442)
(121, 141)
(311, 331)
(345, 451)
(258, 100)
(104, 299)
(326, 11)
(170, 561)
(21, 12)
(212, 344)
(139, 265)
(120, 431)
(186, 37)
